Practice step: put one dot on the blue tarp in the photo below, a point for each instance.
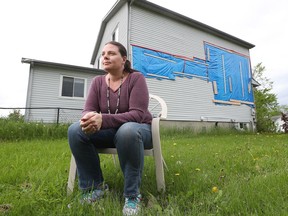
(231, 72)
(196, 68)
(228, 69)
(164, 65)
(156, 63)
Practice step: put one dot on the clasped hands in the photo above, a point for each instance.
(91, 122)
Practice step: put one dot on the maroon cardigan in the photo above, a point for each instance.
(133, 103)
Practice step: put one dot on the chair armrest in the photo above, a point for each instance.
(162, 103)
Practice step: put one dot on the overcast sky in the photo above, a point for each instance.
(65, 31)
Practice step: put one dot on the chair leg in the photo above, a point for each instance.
(159, 173)
(72, 176)
(165, 164)
(157, 153)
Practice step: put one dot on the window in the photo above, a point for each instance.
(115, 34)
(99, 62)
(72, 87)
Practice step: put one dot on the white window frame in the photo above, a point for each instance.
(115, 34)
(74, 77)
(99, 64)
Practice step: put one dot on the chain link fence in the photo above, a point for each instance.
(45, 114)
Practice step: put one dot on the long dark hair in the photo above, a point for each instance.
(123, 52)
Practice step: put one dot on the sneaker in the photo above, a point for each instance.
(132, 205)
(94, 195)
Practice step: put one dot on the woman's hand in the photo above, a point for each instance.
(91, 122)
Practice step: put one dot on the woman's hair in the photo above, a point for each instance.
(123, 52)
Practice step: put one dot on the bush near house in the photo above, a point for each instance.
(16, 116)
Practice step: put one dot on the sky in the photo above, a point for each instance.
(65, 31)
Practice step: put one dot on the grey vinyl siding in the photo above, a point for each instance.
(45, 91)
(187, 99)
(28, 97)
(46, 88)
(161, 33)
(191, 100)
(120, 19)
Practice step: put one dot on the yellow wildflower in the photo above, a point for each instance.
(215, 189)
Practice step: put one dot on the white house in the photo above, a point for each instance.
(202, 73)
(56, 92)
(278, 122)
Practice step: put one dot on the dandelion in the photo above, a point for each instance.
(215, 189)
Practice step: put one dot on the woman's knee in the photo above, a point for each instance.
(74, 135)
(127, 131)
(73, 129)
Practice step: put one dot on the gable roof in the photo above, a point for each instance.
(168, 13)
(255, 83)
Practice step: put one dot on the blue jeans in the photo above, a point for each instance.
(130, 140)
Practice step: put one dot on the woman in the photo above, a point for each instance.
(115, 115)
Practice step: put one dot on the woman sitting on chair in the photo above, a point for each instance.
(115, 115)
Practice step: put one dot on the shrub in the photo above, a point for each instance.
(16, 116)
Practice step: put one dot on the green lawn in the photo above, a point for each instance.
(220, 174)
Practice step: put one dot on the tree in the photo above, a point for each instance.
(16, 115)
(266, 102)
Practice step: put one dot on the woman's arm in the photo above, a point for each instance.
(93, 98)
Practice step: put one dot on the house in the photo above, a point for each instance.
(56, 92)
(202, 73)
(278, 122)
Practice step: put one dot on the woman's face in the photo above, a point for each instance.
(112, 59)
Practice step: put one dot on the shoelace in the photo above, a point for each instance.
(132, 202)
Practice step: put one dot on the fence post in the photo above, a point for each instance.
(58, 111)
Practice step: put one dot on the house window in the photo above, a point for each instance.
(72, 87)
(99, 62)
(115, 34)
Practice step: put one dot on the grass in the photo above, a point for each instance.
(209, 174)
(19, 130)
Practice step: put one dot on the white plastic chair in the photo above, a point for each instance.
(158, 108)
